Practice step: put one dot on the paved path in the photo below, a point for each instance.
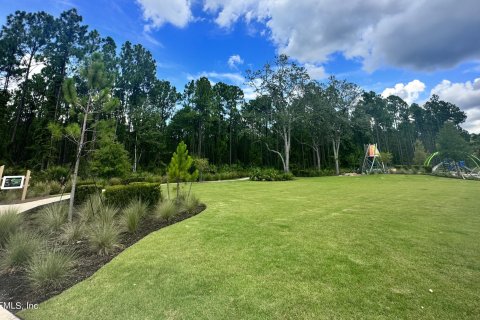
(22, 207)
(6, 315)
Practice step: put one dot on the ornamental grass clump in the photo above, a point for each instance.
(10, 222)
(190, 204)
(90, 208)
(19, 249)
(51, 217)
(102, 237)
(72, 231)
(50, 269)
(166, 210)
(133, 214)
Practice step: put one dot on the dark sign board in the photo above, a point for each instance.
(13, 182)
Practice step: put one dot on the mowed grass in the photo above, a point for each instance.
(376, 247)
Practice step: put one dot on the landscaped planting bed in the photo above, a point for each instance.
(44, 233)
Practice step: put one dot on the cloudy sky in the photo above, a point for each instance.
(409, 48)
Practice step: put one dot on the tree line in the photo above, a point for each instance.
(127, 119)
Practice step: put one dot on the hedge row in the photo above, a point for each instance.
(122, 195)
(270, 175)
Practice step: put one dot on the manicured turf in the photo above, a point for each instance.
(320, 248)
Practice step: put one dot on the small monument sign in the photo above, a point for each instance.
(13, 182)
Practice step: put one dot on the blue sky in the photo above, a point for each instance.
(391, 47)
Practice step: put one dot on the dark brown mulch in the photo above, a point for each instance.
(15, 288)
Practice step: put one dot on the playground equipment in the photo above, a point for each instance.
(372, 162)
(468, 168)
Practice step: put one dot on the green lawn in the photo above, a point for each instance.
(318, 248)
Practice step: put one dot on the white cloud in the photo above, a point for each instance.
(315, 72)
(235, 60)
(408, 92)
(227, 77)
(159, 12)
(466, 96)
(420, 35)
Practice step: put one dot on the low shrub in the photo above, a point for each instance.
(156, 179)
(133, 179)
(83, 192)
(166, 210)
(270, 175)
(55, 187)
(20, 248)
(49, 269)
(115, 181)
(39, 189)
(10, 222)
(51, 217)
(149, 193)
(132, 215)
(72, 231)
(10, 195)
(313, 172)
(103, 237)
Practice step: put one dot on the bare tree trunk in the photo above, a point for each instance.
(317, 153)
(77, 162)
(230, 142)
(336, 147)
(22, 100)
(135, 155)
(286, 140)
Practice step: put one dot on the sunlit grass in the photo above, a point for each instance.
(341, 247)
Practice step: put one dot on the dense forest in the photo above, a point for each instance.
(133, 120)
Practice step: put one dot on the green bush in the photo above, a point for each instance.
(103, 237)
(39, 189)
(156, 179)
(20, 248)
(121, 196)
(133, 179)
(55, 187)
(51, 217)
(10, 222)
(83, 192)
(49, 269)
(166, 210)
(270, 175)
(313, 172)
(115, 181)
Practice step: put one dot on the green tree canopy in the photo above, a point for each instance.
(451, 144)
(419, 155)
